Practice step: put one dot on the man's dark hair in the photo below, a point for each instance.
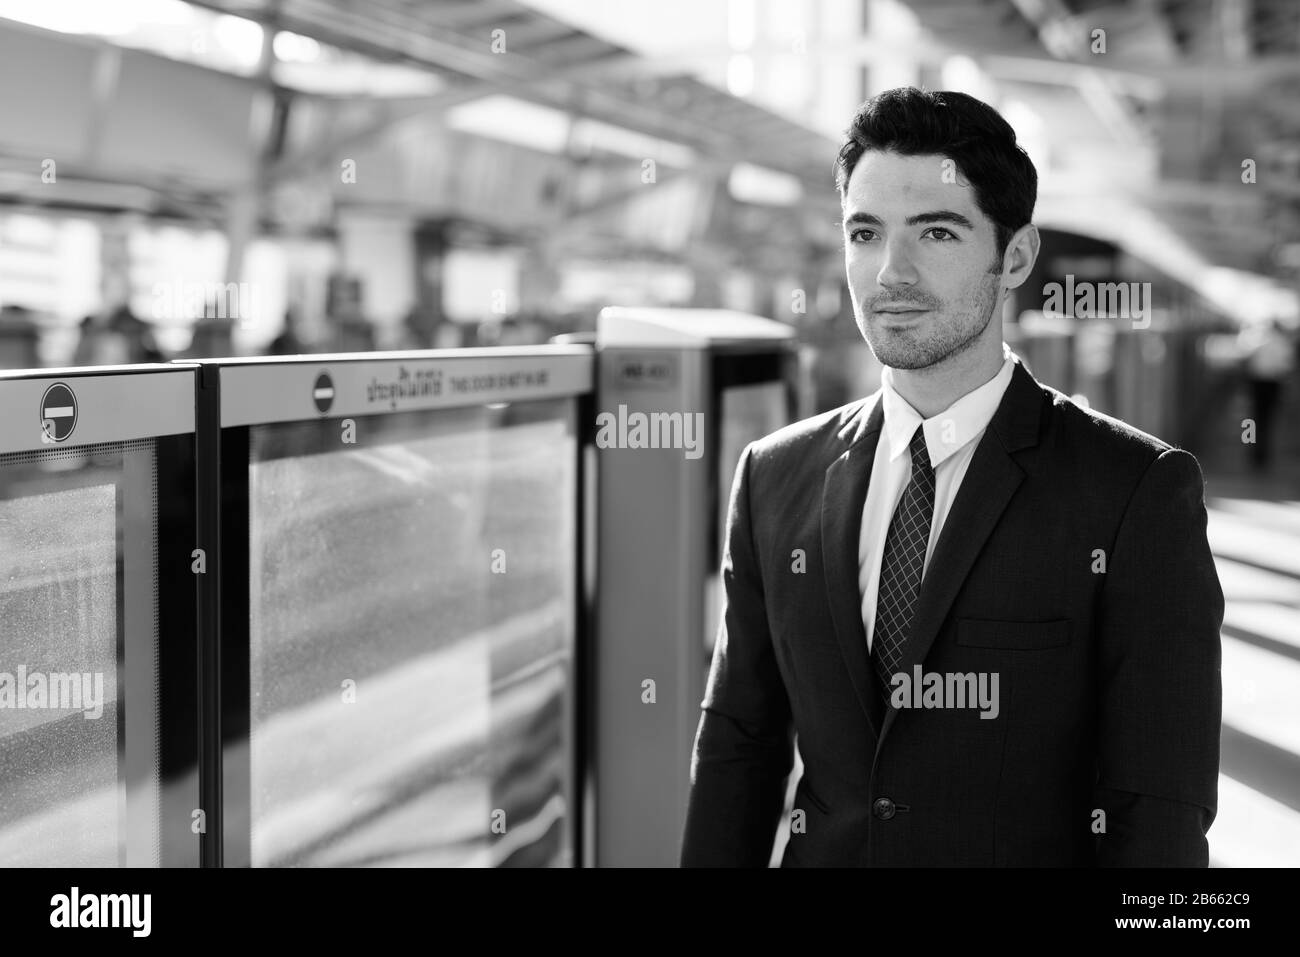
(969, 132)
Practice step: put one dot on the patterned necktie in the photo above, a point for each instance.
(902, 565)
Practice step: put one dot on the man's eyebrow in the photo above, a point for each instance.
(934, 216)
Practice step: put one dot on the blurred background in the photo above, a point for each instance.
(243, 177)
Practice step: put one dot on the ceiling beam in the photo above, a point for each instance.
(478, 71)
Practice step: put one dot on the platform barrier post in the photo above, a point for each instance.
(680, 393)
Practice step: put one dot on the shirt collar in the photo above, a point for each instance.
(950, 430)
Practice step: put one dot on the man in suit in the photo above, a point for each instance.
(990, 616)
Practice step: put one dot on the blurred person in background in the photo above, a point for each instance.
(351, 333)
(448, 335)
(424, 328)
(1269, 360)
(516, 332)
(20, 337)
(416, 330)
(116, 336)
(287, 343)
(488, 333)
(213, 334)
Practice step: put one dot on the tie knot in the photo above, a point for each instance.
(920, 454)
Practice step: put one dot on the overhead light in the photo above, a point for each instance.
(741, 27)
(767, 187)
(512, 120)
(740, 74)
(240, 38)
(295, 48)
(93, 17)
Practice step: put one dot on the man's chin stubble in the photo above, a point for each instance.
(914, 356)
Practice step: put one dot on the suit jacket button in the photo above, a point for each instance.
(883, 808)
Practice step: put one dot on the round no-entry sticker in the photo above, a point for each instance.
(58, 412)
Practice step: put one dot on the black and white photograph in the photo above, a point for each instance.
(650, 434)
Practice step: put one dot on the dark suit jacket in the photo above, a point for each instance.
(1108, 680)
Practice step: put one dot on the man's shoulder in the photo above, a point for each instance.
(1097, 432)
(1115, 457)
(815, 437)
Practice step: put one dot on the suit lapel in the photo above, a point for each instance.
(991, 480)
(844, 492)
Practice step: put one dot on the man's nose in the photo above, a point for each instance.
(897, 268)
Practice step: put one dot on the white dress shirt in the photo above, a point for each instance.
(950, 439)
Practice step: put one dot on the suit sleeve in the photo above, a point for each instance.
(744, 742)
(1159, 706)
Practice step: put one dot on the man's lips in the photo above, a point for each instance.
(899, 315)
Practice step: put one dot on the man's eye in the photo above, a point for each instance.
(948, 235)
(861, 235)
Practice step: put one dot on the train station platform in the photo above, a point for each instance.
(1254, 530)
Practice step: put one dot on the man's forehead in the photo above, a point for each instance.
(887, 179)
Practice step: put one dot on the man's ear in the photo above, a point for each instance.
(1022, 252)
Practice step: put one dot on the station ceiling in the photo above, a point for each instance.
(1212, 82)
(552, 63)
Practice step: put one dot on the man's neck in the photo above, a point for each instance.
(935, 388)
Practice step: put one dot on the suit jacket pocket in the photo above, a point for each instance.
(1020, 635)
